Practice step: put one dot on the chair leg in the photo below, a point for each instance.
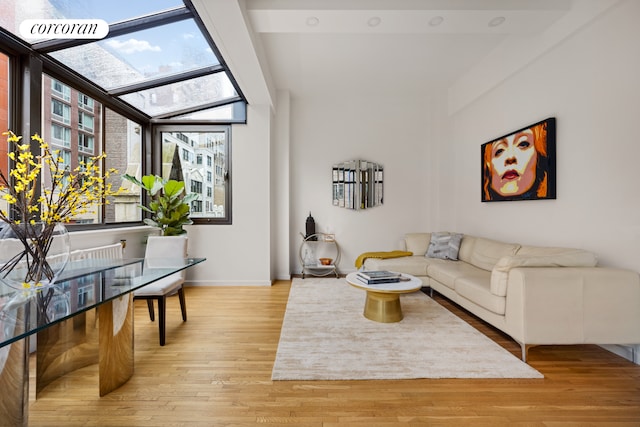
(183, 305)
(152, 315)
(162, 311)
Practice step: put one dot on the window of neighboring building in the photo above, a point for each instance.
(196, 186)
(85, 121)
(85, 143)
(83, 160)
(60, 111)
(65, 156)
(85, 102)
(60, 90)
(60, 135)
(196, 206)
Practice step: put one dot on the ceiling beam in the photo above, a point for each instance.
(229, 28)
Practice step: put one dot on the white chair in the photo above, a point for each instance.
(159, 247)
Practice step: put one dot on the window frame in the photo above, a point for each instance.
(158, 129)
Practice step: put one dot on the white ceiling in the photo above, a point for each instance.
(333, 46)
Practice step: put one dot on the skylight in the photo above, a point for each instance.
(157, 56)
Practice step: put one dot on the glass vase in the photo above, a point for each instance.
(33, 255)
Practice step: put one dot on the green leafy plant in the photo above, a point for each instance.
(168, 205)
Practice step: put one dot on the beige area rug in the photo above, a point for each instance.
(325, 337)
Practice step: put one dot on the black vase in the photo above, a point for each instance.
(310, 227)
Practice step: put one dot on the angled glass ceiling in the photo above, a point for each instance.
(156, 57)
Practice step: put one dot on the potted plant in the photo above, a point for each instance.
(168, 205)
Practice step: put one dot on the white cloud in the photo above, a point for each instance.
(188, 36)
(132, 46)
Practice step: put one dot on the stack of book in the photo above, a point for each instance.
(378, 276)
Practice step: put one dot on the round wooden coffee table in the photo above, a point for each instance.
(383, 301)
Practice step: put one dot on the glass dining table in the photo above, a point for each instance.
(86, 318)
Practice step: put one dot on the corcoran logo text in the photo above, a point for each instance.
(64, 29)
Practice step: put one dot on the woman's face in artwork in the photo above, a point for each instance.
(513, 161)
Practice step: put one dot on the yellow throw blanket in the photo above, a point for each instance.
(382, 255)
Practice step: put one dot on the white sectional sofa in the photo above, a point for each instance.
(536, 295)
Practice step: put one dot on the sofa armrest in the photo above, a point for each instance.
(570, 305)
(552, 257)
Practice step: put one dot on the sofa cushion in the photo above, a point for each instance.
(487, 252)
(446, 272)
(466, 248)
(562, 257)
(444, 245)
(414, 265)
(475, 288)
(534, 256)
(417, 242)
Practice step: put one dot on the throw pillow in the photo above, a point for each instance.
(444, 245)
(454, 245)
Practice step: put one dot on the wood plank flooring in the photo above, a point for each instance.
(215, 370)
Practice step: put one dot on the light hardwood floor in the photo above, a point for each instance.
(215, 370)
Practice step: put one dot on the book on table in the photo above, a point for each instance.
(378, 277)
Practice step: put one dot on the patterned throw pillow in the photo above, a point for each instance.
(444, 245)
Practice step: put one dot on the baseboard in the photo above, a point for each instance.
(229, 283)
(629, 352)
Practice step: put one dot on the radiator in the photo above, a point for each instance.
(113, 251)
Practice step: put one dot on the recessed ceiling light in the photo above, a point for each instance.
(312, 21)
(436, 20)
(374, 21)
(498, 20)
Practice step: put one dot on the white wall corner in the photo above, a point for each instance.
(280, 192)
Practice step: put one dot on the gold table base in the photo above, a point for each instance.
(383, 307)
(382, 303)
(103, 336)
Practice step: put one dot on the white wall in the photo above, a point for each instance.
(239, 254)
(325, 130)
(591, 84)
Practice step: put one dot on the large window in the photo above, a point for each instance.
(212, 143)
(156, 69)
(118, 138)
(123, 145)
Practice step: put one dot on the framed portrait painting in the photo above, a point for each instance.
(521, 165)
